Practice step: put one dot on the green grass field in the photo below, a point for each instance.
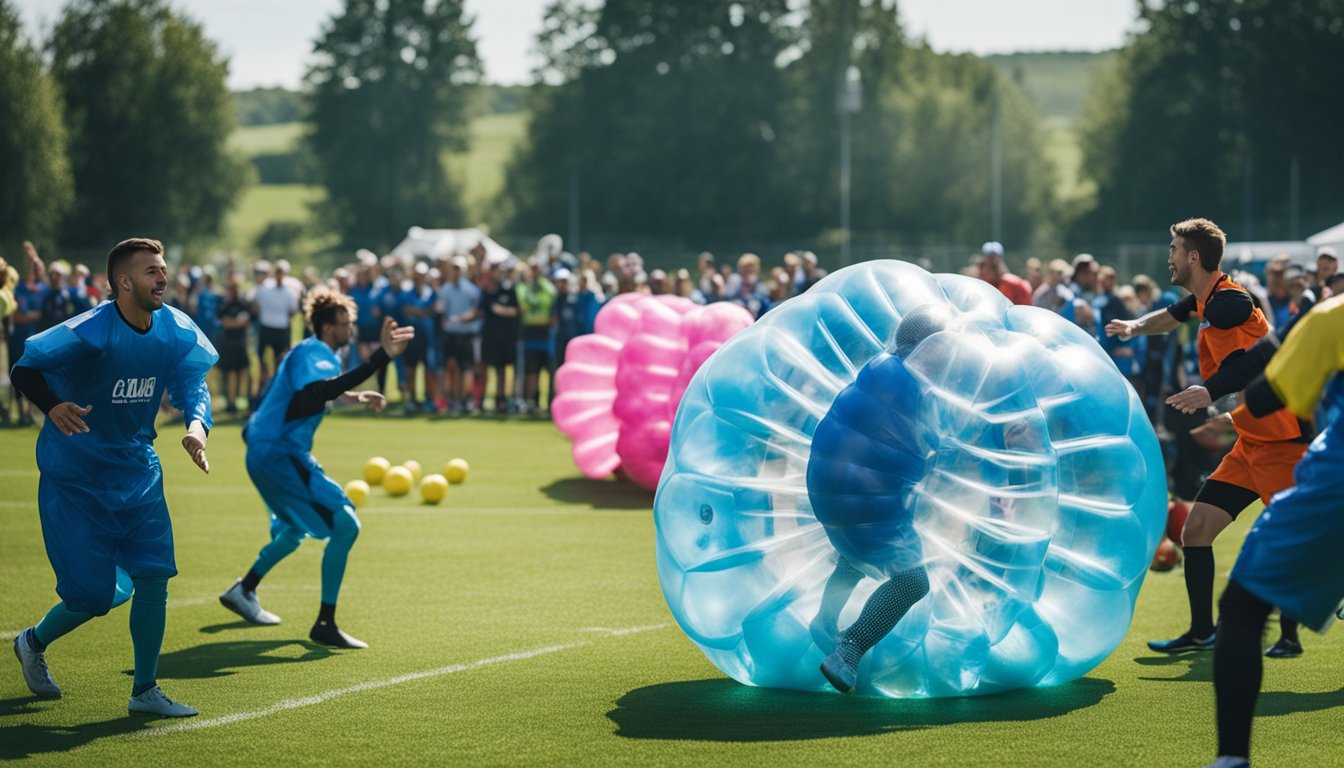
(521, 622)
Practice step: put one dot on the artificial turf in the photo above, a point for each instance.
(521, 622)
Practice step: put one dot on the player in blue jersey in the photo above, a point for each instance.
(1291, 555)
(99, 377)
(302, 500)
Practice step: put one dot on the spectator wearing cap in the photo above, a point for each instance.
(274, 306)
(367, 295)
(459, 306)
(994, 270)
(536, 299)
(576, 306)
(61, 301)
(747, 290)
(1084, 285)
(812, 274)
(1327, 266)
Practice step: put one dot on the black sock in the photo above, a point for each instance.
(884, 609)
(139, 689)
(1238, 667)
(250, 581)
(30, 637)
(1199, 588)
(1288, 629)
(327, 614)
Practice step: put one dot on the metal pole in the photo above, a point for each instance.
(844, 187)
(996, 175)
(1294, 199)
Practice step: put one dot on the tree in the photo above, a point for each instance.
(149, 115)
(37, 186)
(390, 94)
(663, 118)
(1206, 110)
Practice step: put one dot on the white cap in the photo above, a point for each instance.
(562, 274)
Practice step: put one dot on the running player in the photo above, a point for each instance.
(1291, 556)
(302, 500)
(1261, 463)
(99, 377)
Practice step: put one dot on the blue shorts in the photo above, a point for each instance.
(87, 541)
(1291, 557)
(297, 492)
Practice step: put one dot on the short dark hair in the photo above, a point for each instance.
(322, 305)
(1205, 237)
(122, 253)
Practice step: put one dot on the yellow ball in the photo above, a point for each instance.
(358, 491)
(434, 488)
(414, 466)
(456, 471)
(375, 468)
(398, 481)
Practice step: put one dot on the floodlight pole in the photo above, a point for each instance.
(848, 102)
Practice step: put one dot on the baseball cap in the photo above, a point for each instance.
(993, 247)
(562, 274)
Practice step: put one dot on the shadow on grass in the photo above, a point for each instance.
(27, 739)
(723, 710)
(223, 659)
(1288, 703)
(1195, 667)
(600, 494)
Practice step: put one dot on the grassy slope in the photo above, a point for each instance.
(529, 555)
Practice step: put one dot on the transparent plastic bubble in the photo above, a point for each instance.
(997, 448)
(619, 387)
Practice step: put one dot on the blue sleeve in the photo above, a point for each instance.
(61, 345)
(187, 390)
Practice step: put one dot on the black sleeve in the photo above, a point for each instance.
(1239, 368)
(312, 399)
(1261, 399)
(1182, 309)
(1228, 309)
(34, 386)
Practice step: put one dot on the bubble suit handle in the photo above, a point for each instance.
(998, 449)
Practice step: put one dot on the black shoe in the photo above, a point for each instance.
(1284, 649)
(1183, 643)
(329, 634)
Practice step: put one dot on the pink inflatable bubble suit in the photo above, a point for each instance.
(620, 386)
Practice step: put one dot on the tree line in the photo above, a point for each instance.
(689, 119)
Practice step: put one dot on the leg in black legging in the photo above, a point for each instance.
(1237, 667)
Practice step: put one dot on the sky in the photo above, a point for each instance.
(268, 42)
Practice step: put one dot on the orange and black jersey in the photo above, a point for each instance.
(1232, 324)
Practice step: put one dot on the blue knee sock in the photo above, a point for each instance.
(149, 608)
(59, 621)
(345, 529)
(281, 546)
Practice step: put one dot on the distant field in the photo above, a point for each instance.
(1056, 82)
(262, 204)
(255, 140)
(494, 138)
(1064, 151)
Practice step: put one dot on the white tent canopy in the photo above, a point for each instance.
(1246, 254)
(1330, 238)
(445, 243)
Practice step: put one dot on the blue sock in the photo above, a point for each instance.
(149, 609)
(345, 529)
(59, 621)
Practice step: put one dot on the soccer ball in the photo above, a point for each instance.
(358, 492)
(398, 481)
(456, 471)
(1167, 557)
(375, 468)
(1177, 512)
(414, 466)
(434, 488)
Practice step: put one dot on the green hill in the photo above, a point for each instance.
(1056, 81)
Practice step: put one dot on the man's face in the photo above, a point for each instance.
(1107, 282)
(339, 330)
(1180, 260)
(1326, 268)
(148, 276)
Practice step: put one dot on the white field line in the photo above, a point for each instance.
(373, 685)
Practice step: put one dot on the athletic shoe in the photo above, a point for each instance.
(35, 672)
(842, 675)
(329, 634)
(1284, 649)
(1227, 761)
(155, 702)
(246, 604)
(1183, 643)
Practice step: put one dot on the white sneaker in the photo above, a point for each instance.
(247, 605)
(154, 702)
(35, 671)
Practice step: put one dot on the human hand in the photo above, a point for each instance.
(1213, 425)
(1193, 399)
(68, 418)
(374, 400)
(1122, 328)
(395, 338)
(194, 442)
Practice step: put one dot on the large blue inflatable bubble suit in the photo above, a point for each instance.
(894, 419)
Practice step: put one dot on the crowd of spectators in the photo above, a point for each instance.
(492, 330)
